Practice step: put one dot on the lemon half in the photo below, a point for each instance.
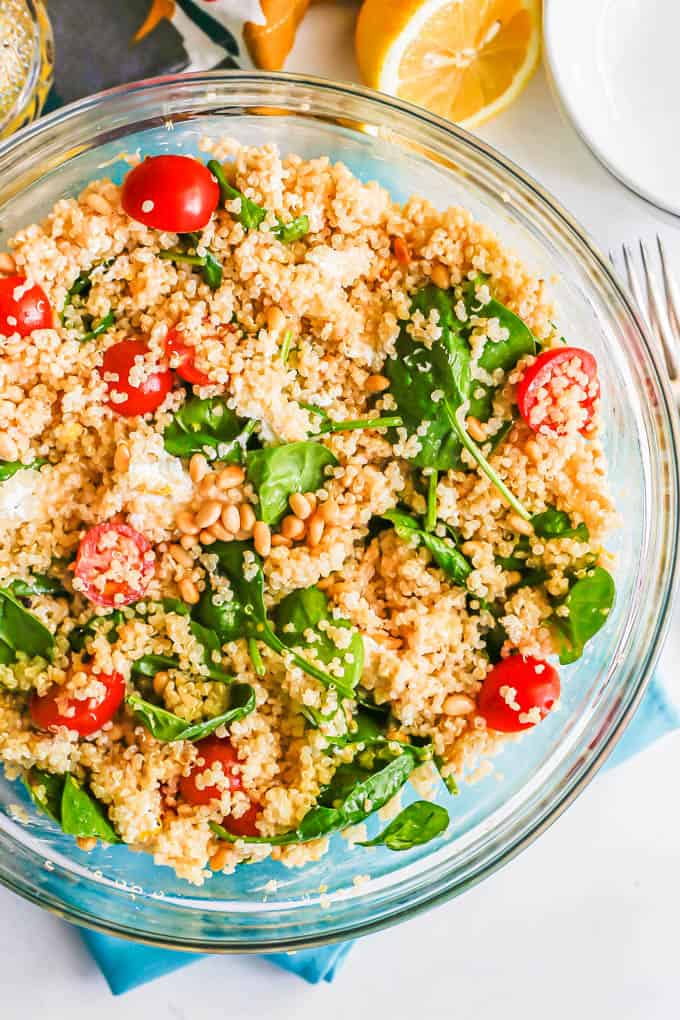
(463, 59)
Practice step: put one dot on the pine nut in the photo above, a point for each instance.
(208, 513)
(230, 476)
(207, 538)
(458, 704)
(198, 468)
(180, 555)
(188, 591)
(233, 496)
(186, 523)
(160, 682)
(315, 530)
(246, 517)
(188, 541)
(439, 276)
(243, 536)
(262, 538)
(231, 518)
(472, 548)
(312, 500)
(518, 524)
(98, 203)
(292, 527)
(7, 263)
(512, 578)
(86, 843)
(299, 504)
(121, 458)
(219, 859)
(276, 321)
(329, 512)
(206, 488)
(281, 540)
(476, 429)
(377, 383)
(533, 450)
(220, 532)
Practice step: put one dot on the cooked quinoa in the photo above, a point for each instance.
(424, 578)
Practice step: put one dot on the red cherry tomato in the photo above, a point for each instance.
(544, 386)
(25, 313)
(174, 193)
(86, 715)
(132, 388)
(114, 565)
(212, 750)
(517, 693)
(181, 358)
(245, 824)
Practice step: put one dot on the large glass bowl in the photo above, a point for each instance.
(407, 150)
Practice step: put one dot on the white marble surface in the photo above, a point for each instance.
(584, 923)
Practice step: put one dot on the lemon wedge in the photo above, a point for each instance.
(463, 59)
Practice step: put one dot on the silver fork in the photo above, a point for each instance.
(658, 303)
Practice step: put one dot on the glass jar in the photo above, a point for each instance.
(26, 62)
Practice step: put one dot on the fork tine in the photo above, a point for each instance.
(659, 316)
(634, 284)
(670, 287)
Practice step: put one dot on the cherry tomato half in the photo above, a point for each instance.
(245, 824)
(514, 689)
(132, 388)
(212, 750)
(542, 388)
(86, 715)
(25, 313)
(181, 357)
(175, 193)
(114, 564)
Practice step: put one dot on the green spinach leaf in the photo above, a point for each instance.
(8, 468)
(211, 270)
(166, 726)
(443, 550)
(21, 631)
(553, 523)
(299, 620)
(293, 231)
(251, 214)
(588, 604)
(73, 314)
(353, 794)
(207, 424)
(38, 584)
(417, 824)
(109, 624)
(276, 472)
(83, 815)
(45, 789)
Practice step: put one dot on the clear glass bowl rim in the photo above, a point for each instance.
(18, 153)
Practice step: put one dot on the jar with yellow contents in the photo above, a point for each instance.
(26, 62)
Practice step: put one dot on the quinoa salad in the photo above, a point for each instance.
(302, 497)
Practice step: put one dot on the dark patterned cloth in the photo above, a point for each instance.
(95, 50)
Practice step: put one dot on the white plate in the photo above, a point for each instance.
(615, 65)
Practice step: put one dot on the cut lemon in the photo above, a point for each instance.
(463, 59)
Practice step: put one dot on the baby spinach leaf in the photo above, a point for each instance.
(448, 781)
(292, 231)
(21, 631)
(245, 615)
(109, 624)
(352, 795)
(37, 584)
(417, 373)
(251, 214)
(73, 313)
(83, 815)
(553, 523)
(211, 270)
(166, 726)
(417, 824)
(443, 550)
(588, 602)
(297, 620)
(208, 423)
(518, 343)
(149, 665)
(45, 789)
(276, 472)
(8, 468)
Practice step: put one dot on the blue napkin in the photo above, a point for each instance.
(126, 965)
